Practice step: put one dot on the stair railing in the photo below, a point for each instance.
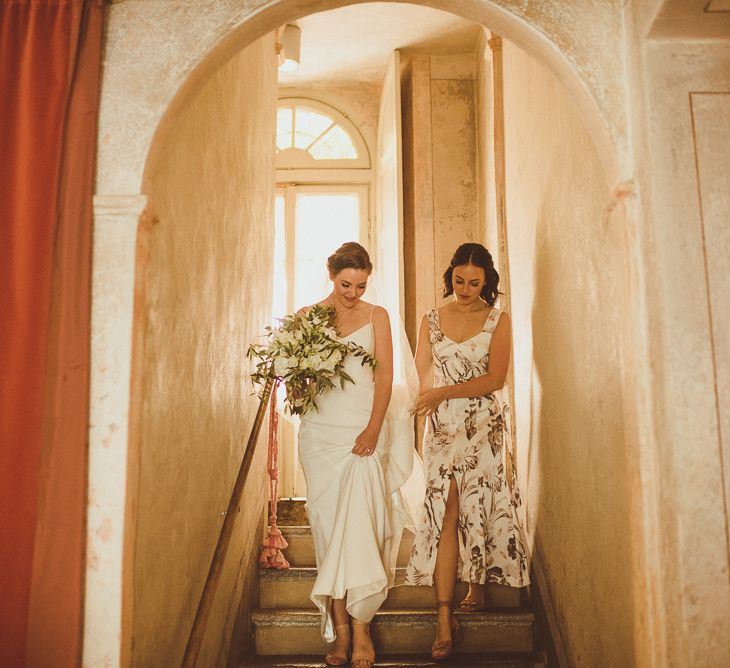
(197, 632)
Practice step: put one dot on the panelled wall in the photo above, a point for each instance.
(681, 64)
(439, 173)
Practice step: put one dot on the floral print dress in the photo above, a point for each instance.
(469, 439)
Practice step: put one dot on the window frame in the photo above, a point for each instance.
(297, 163)
(289, 193)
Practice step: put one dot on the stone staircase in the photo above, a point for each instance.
(286, 625)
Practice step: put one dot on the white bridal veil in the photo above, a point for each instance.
(403, 466)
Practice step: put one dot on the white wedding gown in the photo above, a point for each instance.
(354, 504)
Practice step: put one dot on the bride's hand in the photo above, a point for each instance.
(366, 442)
(429, 400)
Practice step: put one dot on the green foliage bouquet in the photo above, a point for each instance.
(305, 352)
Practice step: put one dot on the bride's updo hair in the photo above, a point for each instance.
(478, 256)
(351, 255)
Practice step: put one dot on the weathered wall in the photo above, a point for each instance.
(484, 104)
(681, 118)
(439, 173)
(207, 296)
(569, 297)
(582, 41)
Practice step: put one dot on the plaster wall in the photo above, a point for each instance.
(157, 53)
(484, 86)
(439, 173)
(681, 121)
(569, 300)
(207, 297)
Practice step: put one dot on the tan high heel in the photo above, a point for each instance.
(442, 649)
(363, 660)
(332, 659)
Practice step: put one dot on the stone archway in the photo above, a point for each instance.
(580, 44)
(145, 86)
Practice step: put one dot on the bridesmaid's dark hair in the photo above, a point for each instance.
(351, 255)
(477, 255)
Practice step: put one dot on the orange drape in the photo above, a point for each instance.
(50, 54)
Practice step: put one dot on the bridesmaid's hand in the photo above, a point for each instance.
(366, 442)
(429, 400)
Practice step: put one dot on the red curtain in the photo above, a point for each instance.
(49, 79)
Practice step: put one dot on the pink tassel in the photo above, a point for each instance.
(271, 552)
(275, 539)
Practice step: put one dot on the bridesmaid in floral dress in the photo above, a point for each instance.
(469, 529)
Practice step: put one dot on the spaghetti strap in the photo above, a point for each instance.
(434, 326)
(492, 319)
(372, 308)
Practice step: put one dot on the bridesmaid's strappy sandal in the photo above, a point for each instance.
(333, 659)
(442, 649)
(363, 660)
(470, 605)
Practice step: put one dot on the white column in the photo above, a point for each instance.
(116, 220)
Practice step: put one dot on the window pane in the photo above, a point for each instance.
(278, 307)
(309, 125)
(324, 221)
(284, 128)
(335, 145)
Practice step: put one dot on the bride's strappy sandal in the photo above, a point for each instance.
(442, 649)
(334, 659)
(363, 660)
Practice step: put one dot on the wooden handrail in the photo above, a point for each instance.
(195, 639)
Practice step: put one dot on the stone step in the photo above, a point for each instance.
(290, 588)
(457, 660)
(289, 632)
(291, 512)
(300, 552)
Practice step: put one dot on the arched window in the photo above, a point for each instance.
(313, 135)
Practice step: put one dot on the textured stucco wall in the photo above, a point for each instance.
(153, 47)
(682, 173)
(569, 302)
(207, 297)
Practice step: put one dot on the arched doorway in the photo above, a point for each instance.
(225, 41)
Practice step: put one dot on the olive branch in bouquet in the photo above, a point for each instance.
(305, 353)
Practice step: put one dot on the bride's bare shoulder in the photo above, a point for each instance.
(369, 307)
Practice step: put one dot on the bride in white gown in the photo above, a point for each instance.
(354, 466)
